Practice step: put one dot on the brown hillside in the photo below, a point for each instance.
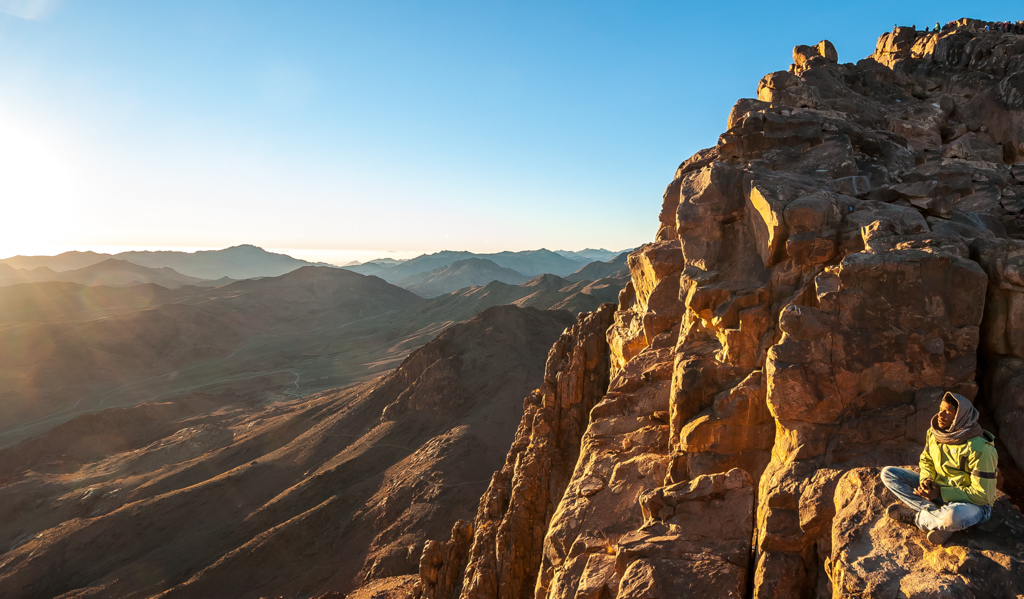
(298, 498)
(260, 331)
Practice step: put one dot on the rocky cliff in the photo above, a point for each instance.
(850, 248)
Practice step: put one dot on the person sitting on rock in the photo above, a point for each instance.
(957, 484)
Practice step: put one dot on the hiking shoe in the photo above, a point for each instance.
(938, 537)
(901, 513)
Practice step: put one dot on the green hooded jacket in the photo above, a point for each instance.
(965, 472)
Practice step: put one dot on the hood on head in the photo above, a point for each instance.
(960, 401)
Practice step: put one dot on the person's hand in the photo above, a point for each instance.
(929, 490)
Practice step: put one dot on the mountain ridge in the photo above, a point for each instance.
(470, 272)
(235, 262)
(529, 262)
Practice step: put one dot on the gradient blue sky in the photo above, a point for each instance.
(339, 130)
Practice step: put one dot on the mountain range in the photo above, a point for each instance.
(237, 262)
(428, 275)
(68, 349)
(201, 338)
(530, 263)
(590, 254)
(614, 267)
(456, 272)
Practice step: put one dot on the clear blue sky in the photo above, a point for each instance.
(409, 126)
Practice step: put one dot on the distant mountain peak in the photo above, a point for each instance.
(546, 280)
(245, 247)
(243, 261)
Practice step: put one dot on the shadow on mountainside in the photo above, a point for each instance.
(295, 498)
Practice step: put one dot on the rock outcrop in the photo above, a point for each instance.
(442, 563)
(849, 250)
(513, 513)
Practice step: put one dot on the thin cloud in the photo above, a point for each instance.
(32, 10)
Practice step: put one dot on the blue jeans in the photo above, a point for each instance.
(957, 515)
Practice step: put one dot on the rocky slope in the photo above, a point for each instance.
(294, 498)
(849, 249)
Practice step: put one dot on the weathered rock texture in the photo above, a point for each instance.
(849, 250)
(442, 563)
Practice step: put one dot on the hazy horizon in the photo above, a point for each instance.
(336, 257)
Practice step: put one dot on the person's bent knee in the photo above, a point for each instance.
(890, 473)
(966, 517)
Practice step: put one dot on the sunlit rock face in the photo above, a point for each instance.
(850, 249)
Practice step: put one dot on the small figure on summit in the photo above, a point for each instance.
(957, 484)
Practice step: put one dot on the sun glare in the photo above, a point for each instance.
(41, 189)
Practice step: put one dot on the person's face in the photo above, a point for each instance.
(947, 413)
